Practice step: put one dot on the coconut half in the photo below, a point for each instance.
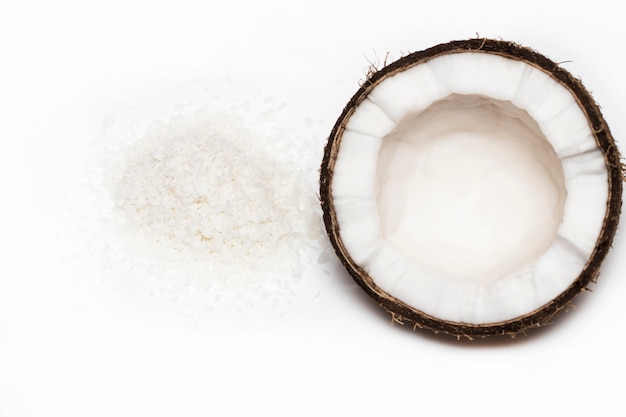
(472, 188)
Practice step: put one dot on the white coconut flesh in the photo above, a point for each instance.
(470, 187)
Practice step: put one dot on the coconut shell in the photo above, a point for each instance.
(404, 313)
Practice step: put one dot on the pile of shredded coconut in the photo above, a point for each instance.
(217, 201)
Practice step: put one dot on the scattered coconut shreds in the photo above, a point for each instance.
(216, 204)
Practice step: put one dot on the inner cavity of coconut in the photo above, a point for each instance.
(470, 188)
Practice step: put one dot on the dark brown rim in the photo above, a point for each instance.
(400, 311)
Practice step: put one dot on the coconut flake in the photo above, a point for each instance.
(217, 202)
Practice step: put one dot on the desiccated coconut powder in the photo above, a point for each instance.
(224, 203)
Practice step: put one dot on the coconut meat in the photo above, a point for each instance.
(470, 187)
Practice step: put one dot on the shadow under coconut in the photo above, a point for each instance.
(356, 294)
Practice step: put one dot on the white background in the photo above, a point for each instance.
(76, 340)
